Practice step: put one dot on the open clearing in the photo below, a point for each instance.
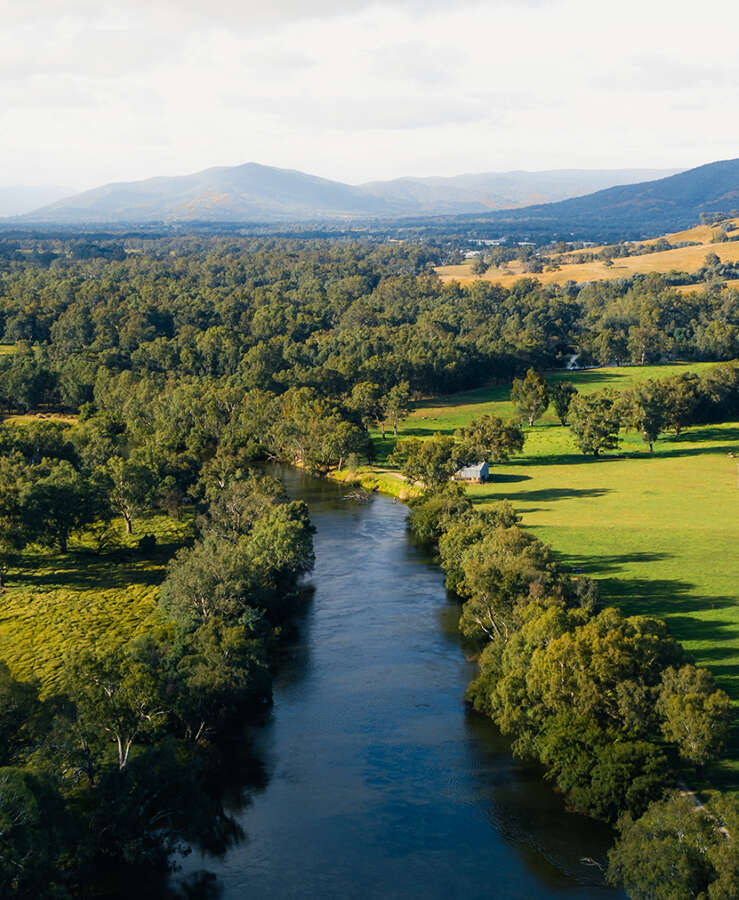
(682, 259)
(25, 418)
(82, 600)
(452, 411)
(659, 532)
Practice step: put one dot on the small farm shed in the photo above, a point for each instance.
(479, 473)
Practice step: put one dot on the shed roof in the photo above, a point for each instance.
(474, 471)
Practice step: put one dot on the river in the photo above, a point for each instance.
(377, 781)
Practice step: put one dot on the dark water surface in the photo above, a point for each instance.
(378, 782)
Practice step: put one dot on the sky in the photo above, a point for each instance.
(95, 92)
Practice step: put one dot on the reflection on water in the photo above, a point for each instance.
(372, 779)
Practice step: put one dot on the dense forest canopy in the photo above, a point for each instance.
(276, 314)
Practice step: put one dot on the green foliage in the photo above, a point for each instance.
(256, 568)
(431, 514)
(20, 710)
(57, 501)
(195, 356)
(675, 851)
(397, 405)
(462, 531)
(644, 409)
(530, 396)
(36, 441)
(604, 701)
(128, 485)
(497, 572)
(222, 670)
(31, 842)
(595, 422)
(601, 776)
(211, 579)
(366, 400)
(490, 438)
(116, 700)
(25, 381)
(310, 431)
(681, 398)
(696, 716)
(561, 395)
(431, 462)
(128, 744)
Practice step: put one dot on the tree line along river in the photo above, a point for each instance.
(371, 778)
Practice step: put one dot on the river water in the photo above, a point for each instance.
(376, 780)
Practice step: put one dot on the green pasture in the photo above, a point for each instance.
(447, 413)
(82, 599)
(659, 532)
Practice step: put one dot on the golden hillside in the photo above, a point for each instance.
(683, 259)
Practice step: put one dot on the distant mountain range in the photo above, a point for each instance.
(256, 193)
(649, 208)
(502, 190)
(603, 204)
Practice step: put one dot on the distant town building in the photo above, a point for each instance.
(478, 473)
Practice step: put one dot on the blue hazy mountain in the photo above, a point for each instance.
(257, 193)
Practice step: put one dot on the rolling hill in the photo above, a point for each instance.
(502, 190)
(636, 210)
(250, 192)
(257, 193)
(569, 267)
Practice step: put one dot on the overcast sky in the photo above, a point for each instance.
(92, 92)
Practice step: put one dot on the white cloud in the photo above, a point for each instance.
(94, 92)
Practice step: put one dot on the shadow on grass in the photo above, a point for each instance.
(81, 571)
(425, 431)
(695, 451)
(565, 459)
(708, 433)
(674, 600)
(490, 393)
(604, 564)
(663, 450)
(498, 393)
(584, 378)
(507, 478)
(683, 611)
(546, 494)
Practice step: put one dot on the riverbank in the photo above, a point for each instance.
(621, 519)
(372, 777)
(374, 479)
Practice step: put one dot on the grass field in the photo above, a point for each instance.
(39, 417)
(82, 599)
(702, 234)
(682, 259)
(445, 414)
(659, 532)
